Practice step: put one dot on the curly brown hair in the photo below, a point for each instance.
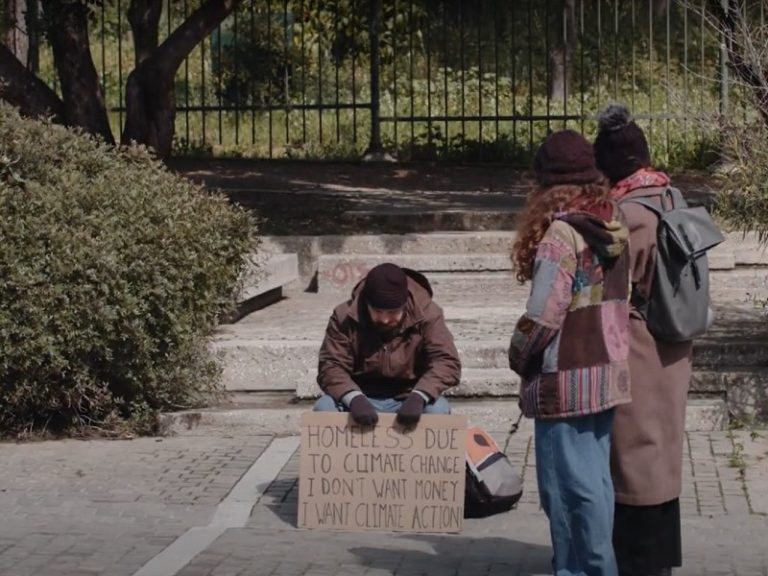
(542, 205)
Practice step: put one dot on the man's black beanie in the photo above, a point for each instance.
(386, 287)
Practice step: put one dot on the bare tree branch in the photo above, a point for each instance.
(186, 37)
(744, 58)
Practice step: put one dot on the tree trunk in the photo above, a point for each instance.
(23, 89)
(33, 32)
(561, 53)
(150, 99)
(80, 87)
(150, 109)
(144, 17)
(15, 32)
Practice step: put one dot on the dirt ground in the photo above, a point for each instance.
(311, 197)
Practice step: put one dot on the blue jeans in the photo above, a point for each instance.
(327, 404)
(576, 491)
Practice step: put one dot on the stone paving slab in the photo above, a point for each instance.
(104, 508)
(713, 483)
(718, 549)
(722, 535)
(83, 508)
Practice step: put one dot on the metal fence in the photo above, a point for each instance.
(430, 79)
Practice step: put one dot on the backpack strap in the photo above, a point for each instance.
(638, 302)
(675, 197)
(643, 201)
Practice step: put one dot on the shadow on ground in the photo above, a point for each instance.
(323, 198)
(459, 555)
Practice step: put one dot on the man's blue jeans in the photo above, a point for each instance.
(576, 491)
(327, 404)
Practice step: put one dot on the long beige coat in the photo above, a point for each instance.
(647, 439)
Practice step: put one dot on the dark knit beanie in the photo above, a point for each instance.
(620, 147)
(565, 157)
(386, 287)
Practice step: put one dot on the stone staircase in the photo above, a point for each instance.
(270, 355)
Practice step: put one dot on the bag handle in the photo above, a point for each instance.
(516, 426)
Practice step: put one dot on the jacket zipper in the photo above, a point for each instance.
(387, 362)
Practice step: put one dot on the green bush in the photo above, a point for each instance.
(113, 273)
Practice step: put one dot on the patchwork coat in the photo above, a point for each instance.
(571, 347)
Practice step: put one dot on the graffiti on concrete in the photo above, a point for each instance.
(346, 274)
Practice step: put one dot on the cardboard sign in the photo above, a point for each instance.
(382, 478)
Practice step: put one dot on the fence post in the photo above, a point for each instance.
(375, 150)
(723, 68)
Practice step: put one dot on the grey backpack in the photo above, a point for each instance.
(678, 306)
(493, 484)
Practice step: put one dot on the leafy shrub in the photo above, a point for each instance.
(743, 175)
(113, 273)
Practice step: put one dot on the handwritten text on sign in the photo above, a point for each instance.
(382, 478)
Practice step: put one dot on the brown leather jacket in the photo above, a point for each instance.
(420, 356)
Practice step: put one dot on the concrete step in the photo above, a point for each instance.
(737, 250)
(739, 284)
(276, 271)
(310, 248)
(339, 273)
(743, 391)
(292, 364)
(264, 281)
(475, 382)
(405, 219)
(501, 286)
(279, 415)
(735, 371)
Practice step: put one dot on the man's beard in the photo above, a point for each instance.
(387, 332)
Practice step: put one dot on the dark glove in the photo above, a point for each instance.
(362, 411)
(411, 410)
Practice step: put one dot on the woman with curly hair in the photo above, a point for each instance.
(571, 346)
(647, 439)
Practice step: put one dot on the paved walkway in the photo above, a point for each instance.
(226, 505)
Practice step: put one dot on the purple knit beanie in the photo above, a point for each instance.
(565, 157)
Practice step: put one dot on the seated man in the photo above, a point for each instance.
(388, 350)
